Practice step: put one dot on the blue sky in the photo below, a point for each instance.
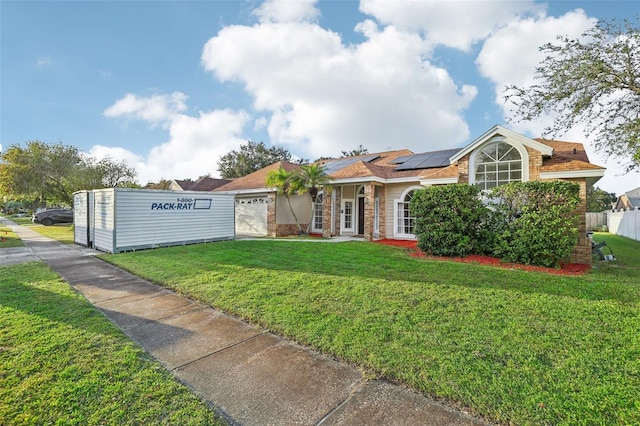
(170, 86)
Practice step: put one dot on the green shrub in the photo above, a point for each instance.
(535, 222)
(449, 220)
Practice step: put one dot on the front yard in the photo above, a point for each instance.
(513, 346)
(63, 362)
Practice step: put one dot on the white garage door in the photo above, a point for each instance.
(251, 216)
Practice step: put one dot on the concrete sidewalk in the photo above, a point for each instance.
(250, 376)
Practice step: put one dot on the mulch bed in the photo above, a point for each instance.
(414, 251)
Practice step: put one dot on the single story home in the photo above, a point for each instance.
(630, 200)
(370, 194)
(203, 184)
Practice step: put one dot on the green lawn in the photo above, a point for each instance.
(63, 362)
(8, 238)
(514, 346)
(62, 232)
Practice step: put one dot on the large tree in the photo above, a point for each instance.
(599, 200)
(593, 81)
(104, 173)
(250, 157)
(50, 173)
(360, 150)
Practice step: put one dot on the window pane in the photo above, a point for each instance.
(503, 150)
(484, 158)
(497, 164)
(347, 214)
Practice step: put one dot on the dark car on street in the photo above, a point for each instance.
(51, 216)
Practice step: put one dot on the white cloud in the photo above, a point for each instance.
(510, 56)
(116, 153)
(324, 96)
(44, 62)
(156, 109)
(195, 142)
(456, 24)
(287, 11)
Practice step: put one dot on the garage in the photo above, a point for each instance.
(251, 215)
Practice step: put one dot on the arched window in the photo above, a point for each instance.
(496, 164)
(405, 222)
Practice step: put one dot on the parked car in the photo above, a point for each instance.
(51, 216)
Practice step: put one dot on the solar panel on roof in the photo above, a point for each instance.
(332, 166)
(427, 160)
(401, 160)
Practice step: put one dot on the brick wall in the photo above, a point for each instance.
(535, 163)
(271, 215)
(368, 211)
(284, 230)
(326, 213)
(382, 220)
(582, 250)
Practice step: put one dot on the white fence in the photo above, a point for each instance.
(625, 223)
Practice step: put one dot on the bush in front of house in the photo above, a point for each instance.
(533, 223)
(449, 219)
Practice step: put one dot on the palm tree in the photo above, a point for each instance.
(285, 183)
(311, 178)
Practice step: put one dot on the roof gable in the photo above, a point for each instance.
(256, 180)
(500, 133)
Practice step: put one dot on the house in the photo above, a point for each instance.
(370, 194)
(628, 201)
(202, 184)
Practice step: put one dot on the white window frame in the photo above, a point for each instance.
(524, 156)
(317, 205)
(399, 233)
(376, 217)
(343, 216)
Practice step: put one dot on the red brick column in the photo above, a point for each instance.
(582, 251)
(271, 215)
(368, 211)
(326, 213)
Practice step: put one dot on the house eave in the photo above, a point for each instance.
(247, 191)
(358, 180)
(573, 174)
(439, 181)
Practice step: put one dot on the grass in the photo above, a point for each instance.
(8, 238)
(62, 232)
(63, 362)
(513, 346)
(25, 221)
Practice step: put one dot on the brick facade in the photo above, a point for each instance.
(285, 230)
(326, 213)
(582, 250)
(271, 215)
